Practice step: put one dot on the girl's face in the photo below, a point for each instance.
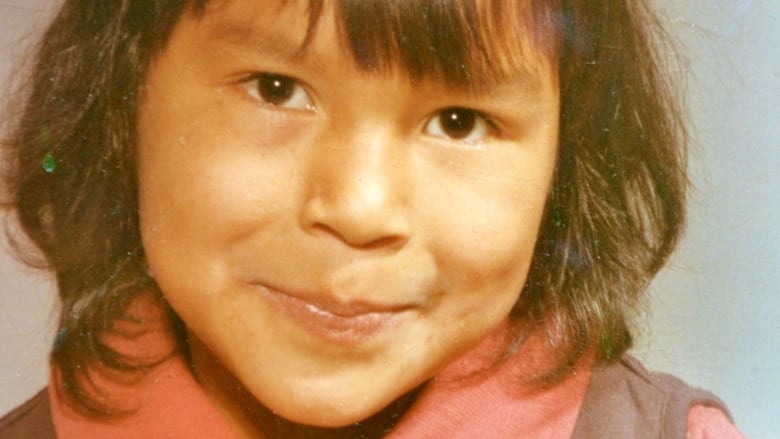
(333, 237)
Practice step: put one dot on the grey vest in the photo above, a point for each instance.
(624, 400)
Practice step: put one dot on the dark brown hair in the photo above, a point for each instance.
(614, 214)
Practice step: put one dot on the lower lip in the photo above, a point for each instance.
(329, 326)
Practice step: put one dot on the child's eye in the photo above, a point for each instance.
(460, 124)
(278, 90)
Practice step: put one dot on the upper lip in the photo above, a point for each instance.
(332, 304)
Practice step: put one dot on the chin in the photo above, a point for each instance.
(329, 415)
(347, 411)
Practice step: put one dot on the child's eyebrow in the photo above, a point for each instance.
(489, 84)
(246, 36)
(501, 82)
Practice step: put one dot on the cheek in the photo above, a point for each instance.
(192, 215)
(206, 168)
(485, 232)
(484, 240)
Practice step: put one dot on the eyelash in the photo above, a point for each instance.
(278, 90)
(470, 126)
(462, 119)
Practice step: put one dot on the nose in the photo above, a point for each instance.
(357, 190)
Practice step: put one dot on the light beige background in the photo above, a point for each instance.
(27, 306)
(715, 312)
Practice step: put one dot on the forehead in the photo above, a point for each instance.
(464, 43)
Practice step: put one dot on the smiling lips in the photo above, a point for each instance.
(334, 320)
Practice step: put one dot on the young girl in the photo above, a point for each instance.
(352, 219)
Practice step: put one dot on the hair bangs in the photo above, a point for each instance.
(464, 44)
